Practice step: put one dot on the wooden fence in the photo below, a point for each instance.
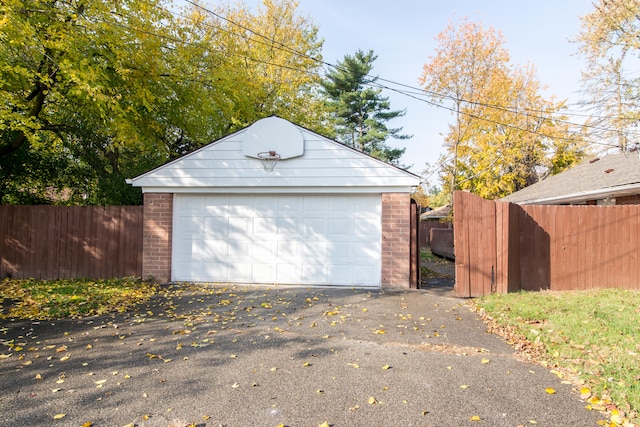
(60, 242)
(442, 242)
(426, 227)
(502, 247)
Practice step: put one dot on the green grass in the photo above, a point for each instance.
(594, 335)
(56, 299)
(428, 256)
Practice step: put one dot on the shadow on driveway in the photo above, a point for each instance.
(257, 356)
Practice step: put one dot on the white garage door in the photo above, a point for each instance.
(284, 239)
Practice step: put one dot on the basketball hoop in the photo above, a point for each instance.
(269, 160)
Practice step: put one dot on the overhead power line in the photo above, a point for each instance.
(416, 93)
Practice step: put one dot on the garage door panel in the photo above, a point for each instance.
(371, 253)
(339, 274)
(263, 227)
(362, 208)
(314, 250)
(363, 274)
(340, 251)
(364, 228)
(264, 251)
(239, 248)
(190, 205)
(339, 227)
(215, 249)
(289, 249)
(289, 227)
(288, 273)
(263, 273)
(304, 239)
(191, 226)
(188, 250)
(314, 228)
(240, 226)
(314, 205)
(201, 272)
(240, 208)
(239, 271)
(314, 273)
(213, 269)
(289, 204)
(265, 207)
(340, 206)
(216, 206)
(216, 226)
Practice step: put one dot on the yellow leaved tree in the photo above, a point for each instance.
(505, 135)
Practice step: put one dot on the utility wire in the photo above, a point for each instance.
(413, 92)
(413, 88)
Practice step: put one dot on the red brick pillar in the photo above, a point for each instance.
(157, 230)
(396, 238)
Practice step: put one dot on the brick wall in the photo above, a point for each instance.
(156, 243)
(396, 238)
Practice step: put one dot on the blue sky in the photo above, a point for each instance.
(402, 33)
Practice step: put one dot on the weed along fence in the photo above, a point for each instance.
(503, 247)
(61, 242)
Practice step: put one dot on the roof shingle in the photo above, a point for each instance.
(600, 174)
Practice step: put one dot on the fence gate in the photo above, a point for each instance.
(474, 244)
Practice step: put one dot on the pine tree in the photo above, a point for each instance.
(359, 112)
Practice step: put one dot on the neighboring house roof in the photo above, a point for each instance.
(615, 175)
(310, 163)
(437, 213)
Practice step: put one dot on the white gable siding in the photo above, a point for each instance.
(325, 166)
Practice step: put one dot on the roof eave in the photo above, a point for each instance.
(619, 191)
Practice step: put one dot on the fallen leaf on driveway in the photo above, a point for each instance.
(585, 393)
(475, 418)
(550, 390)
(59, 416)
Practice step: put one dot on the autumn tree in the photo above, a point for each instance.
(420, 196)
(609, 41)
(83, 85)
(271, 62)
(359, 111)
(504, 134)
(95, 92)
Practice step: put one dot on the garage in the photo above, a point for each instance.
(279, 238)
(276, 203)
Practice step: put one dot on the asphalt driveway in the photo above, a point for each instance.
(257, 356)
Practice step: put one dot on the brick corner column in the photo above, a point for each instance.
(396, 240)
(157, 231)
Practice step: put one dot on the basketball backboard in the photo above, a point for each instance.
(273, 134)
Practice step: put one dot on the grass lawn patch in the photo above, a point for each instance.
(70, 298)
(591, 336)
(428, 256)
